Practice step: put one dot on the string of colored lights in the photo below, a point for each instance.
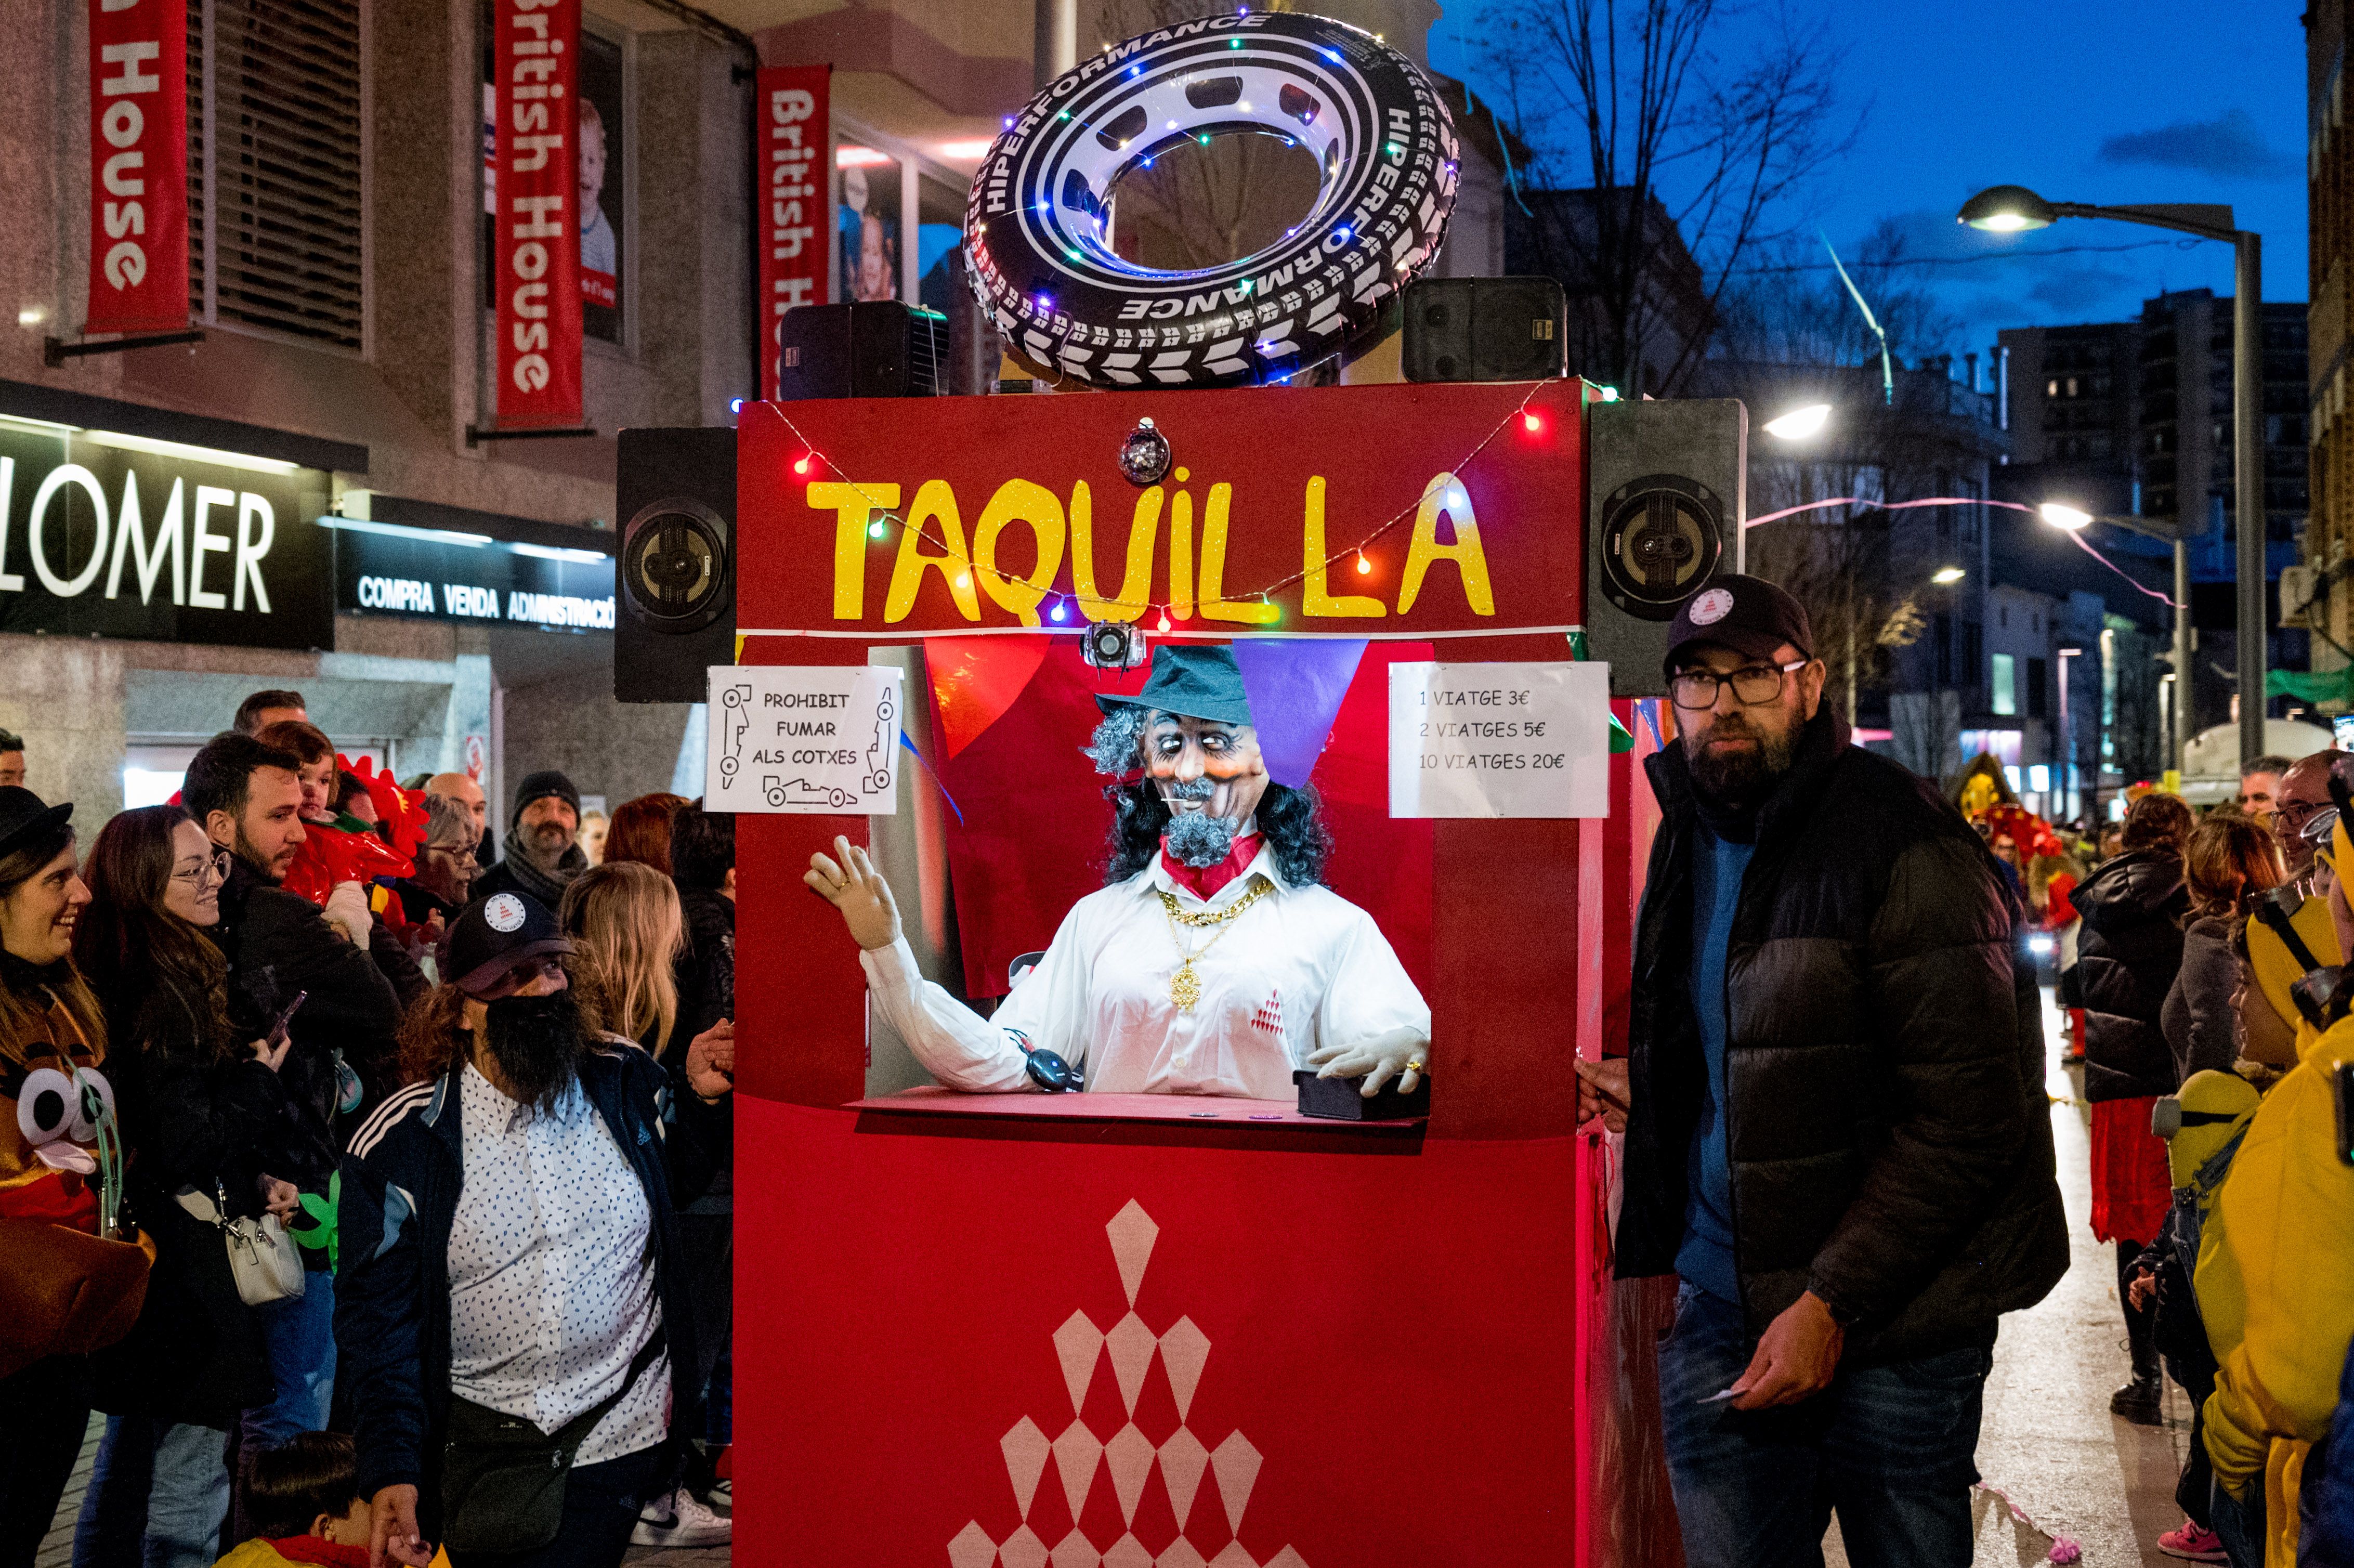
(2074, 537)
(1534, 422)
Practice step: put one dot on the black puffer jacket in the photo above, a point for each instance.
(2127, 955)
(1890, 1141)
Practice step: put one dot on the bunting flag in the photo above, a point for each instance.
(536, 234)
(795, 127)
(1295, 685)
(976, 678)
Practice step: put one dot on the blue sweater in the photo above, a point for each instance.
(1705, 1259)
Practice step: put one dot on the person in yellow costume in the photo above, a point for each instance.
(2275, 1279)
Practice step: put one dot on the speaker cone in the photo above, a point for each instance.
(1661, 537)
(674, 566)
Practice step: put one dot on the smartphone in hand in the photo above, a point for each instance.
(277, 1025)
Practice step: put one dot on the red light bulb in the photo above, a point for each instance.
(1532, 423)
(800, 465)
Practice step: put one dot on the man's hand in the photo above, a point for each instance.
(1602, 1092)
(1795, 1359)
(2142, 1290)
(393, 1536)
(711, 1061)
(853, 885)
(1394, 1054)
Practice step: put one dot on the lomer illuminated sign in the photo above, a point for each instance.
(106, 536)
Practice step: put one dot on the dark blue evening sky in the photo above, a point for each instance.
(2093, 100)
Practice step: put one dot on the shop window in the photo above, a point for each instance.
(939, 214)
(2038, 674)
(276, 222)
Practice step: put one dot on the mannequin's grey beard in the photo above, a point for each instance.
(1199, 840)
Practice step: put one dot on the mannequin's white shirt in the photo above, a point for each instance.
(1302, 968)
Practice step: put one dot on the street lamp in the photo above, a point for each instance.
(1799, 423)
(1947, 576)
(2010, 209)
(2072, 518)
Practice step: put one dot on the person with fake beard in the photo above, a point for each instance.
(1834, 1111)
(512, 1307)
(542, 855)
(1214, 961)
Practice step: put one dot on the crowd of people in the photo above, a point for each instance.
(378, 1192)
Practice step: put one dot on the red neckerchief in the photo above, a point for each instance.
(313, 1549)
(1204, 881)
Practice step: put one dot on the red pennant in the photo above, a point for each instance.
(976, 678)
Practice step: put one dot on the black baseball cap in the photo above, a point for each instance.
(497, 936)
(23, 814)
(1748, 615)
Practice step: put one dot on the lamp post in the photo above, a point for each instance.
(2068, 791)
(2071, 518)
(2010, 209)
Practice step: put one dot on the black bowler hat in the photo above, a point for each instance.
(496, 936)
(1748, 615)
(1198, 680)
(24, 814)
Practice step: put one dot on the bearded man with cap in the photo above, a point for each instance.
(496, 1221)
(542, 855)
(1837, 1132)
(1213, 962)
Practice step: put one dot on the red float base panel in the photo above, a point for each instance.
(977, 1340)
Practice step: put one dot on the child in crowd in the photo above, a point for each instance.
(302, 1500)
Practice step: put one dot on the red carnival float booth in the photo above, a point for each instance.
(1158, 1329)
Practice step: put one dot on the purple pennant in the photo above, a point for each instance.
(1295, 685)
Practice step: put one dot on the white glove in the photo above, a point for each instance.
(347, 911)
(1395, 1053)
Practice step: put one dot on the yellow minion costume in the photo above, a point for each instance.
(2275, 1285)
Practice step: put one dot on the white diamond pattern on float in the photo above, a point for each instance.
(1128, 1459)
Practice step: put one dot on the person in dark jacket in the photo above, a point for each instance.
(2230, 862)
(202, 1111)
(703, 864)
(2133, 909)
(529, 1156)
(2327, 1539)
(1835, 1124)
(282, 951)
(541, 854)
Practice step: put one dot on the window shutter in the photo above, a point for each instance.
(274, 130)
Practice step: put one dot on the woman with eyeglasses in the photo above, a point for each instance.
(204, 1113)
(67, 1281)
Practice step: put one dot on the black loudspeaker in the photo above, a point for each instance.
(675, 581)
(1665, 493)
(877, 348)
(1485, 329)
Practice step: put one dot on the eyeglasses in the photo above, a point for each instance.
(2295, 814)
(214, 869)
(1753, 683)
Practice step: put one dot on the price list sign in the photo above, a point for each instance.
(1499, 740)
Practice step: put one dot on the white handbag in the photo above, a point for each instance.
(261, 1257)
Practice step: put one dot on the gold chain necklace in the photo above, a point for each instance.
(1185, 986)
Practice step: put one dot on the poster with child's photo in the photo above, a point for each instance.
(603, 188)
(870, 229)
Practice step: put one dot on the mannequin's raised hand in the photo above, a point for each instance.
(1394, 1054)
(852, 884)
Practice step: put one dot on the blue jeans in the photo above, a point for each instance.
(2241, 1524)
(300, 1336)
(1889, 1449)
(158, 1493)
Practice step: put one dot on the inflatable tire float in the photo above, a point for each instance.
(1039, 244)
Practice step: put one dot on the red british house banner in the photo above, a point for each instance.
(536, 48)
(794, 123)
(138, 166)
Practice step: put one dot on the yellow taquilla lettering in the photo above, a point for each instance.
(1214, 606)
(934, 504)
(853, 506)
(1315, 595)
(1136, 575)
(1445, 494)
(1020, 500)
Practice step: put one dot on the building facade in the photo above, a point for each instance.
(325, 454)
